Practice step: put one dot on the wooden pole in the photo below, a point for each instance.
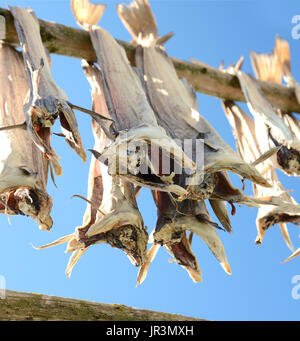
(22, 306)
(73, 42)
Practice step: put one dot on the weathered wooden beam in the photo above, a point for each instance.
(22, 306)
(73, 42)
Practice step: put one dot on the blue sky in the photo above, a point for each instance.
(260, 286)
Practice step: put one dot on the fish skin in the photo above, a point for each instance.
(112, 215)
(47, 101)
(218, 156)
(169, 97)
(174, 217)
(274, 129)
(126, 100)
(170, 234)
(195, 218)
(283, 207)
(23, 169)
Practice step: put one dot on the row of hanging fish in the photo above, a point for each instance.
(271, 127)
(30, 104)
(142, 103)
(148, 108)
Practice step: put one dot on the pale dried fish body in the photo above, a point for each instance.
(173, 218)
(119, 220)
(282, 52)
(270, 127)
(23, 170)
(47, 101)
(271, 67)
(283, 208)
(112, 215)
(259, 106)
(175, 105)
(129, 108)
(168, 95)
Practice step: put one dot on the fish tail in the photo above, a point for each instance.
(266, 66)
(139, 20)
(86, 13)
(282, 51)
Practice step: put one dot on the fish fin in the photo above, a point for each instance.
(293, 255)
(144, 268)
(139, 20)
(86, 13)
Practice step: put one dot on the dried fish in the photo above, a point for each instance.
(134, 118)
(193, 216)
(112, 215)
(283, 208)
(23, 170)
(168, 96)
(170, 232)
(47, 101)
(271, 128)
(282, 52)
(174, 218)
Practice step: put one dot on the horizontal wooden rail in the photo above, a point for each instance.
(22, 306)
(73, 42)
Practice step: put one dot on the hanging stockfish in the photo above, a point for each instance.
(138, 134)
(112, 215)
(282, 52)
(47, 101)
(271, 130)
(174, 218)
(273, 67)
(171, 232)
(23, 170)
(285, 208)
(172, 235)
(168, 98)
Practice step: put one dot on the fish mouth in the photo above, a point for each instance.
(29, 202)
(202, 191)
(128, 238)
(172, 234)
(185, 258)
(289, 160)
(174, 240)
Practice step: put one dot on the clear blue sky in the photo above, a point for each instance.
(260, 286)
